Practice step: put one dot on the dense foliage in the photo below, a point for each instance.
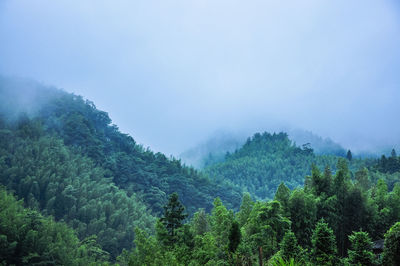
(58, 182)
(266, 160)
(89, 131)
(28, 238)
(89, 194)
(329, 222)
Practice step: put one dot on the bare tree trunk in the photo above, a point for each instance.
(260, 256)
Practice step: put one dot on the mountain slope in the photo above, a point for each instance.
(266, 160)
(89, 131)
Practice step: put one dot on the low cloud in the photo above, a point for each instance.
(172, 72)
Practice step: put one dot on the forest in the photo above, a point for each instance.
(76, 191)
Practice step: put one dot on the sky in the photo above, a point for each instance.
(171, 73)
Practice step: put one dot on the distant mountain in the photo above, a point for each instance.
(214, 149)
(266, 160)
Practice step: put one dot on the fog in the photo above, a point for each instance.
(171, 73)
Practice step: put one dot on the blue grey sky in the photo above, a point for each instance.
(170, 73)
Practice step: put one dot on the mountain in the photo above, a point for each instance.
(63, 157)
(214, 149)
(266, 160)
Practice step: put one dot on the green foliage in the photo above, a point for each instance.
(172, 219)
(303, 215)
(266, 227)
(135, 169)
(200, 222)
(324, 245)
(26, 237)
(279, 261)
(289, 247)
(282, 195)
(265, 161)
(221, 221)
(389, 165)
(391, 252)
(245, 209)
(59, 182)
(234, 236)
(147, 251)
(360, 252)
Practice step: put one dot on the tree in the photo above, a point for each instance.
(173, 217)
(341, 184)
(324, 245)
(391, 252)
(362, 179)
(221, 221)
(303, 215)
(349, 156)
(245, 209)
(282, 195)
(200, 224)
(234, 237)
(289, 247)
(266, 227)
(393, 154)
(360, 252)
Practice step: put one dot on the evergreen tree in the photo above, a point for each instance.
(393, 154)
(360, 252)
(289, 247)
(324, 245)
(349, 156)
(173, 218)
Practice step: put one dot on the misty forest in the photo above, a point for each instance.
(75, 190)
(200, 133)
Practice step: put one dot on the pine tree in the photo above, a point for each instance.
(349, 156)
(173, 217)
(324, 245)
(289, 247)
(360, 252)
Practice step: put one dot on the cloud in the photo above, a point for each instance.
(172, 72)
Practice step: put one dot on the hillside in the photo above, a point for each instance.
(88, 192)
(266, 160)
(89, 131)
(63, 157)
(214, 149)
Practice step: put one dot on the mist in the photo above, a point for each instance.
(171, 73)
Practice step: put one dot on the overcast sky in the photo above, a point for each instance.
(170, 73)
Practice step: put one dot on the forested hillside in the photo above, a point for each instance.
(88, 131)
(214, 149)
(89, 194)
(28, 238)
(266, 160)
(331, 221)
(63, 157)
